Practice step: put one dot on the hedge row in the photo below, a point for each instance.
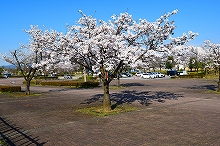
(34, 82)
(71, 83)
(10, 88)
(192, 76)
(46, 78)
(88, 78)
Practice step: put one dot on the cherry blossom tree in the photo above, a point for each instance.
(31, 57)
(197, 55)
(23, 60)
(214, 55)
(180, 55)
(183, 53)
(107, 46)
(98, 45)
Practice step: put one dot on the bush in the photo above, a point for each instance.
(47, 77)
(88, 78)
(71, 83)
(34, 82)
(192, 76)
(89, 84)
(10, 88)
(16, 76)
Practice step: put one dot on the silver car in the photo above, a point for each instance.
(148, 76)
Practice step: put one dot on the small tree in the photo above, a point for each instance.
(31, 57)
(23, 61)
(213, 55)
(193, 64)
(170, 62)
(1, 70)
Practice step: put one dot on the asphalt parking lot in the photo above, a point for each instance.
(172, 112)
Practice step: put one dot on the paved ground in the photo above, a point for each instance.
(172, 112)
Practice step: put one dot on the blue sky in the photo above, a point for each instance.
(193, 15)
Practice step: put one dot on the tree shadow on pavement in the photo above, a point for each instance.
(132, 84)
(129, 97)
(13, 135)
(204, 87)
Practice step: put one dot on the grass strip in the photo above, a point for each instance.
(98, 110)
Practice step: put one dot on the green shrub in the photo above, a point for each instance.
(47, 78)
(89, 84)
(10, 88)
(174, 77)
(34, 82)
(3, 143)
(16, 76)
(59, 83)
(192, 76)
(196, 73)
(71, 83)
(88, 78)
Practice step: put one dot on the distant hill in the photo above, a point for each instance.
(9, 66)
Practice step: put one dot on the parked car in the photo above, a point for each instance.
(129, 74)
(148, 76)
(172, 73)
(159, 75)
(138, 74)
(183, 72)
(152, 75)
(7, 75)
(67, 76)
(123, 75)
(96, 74)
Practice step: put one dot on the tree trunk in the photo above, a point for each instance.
(106, 98)
(206, 72)
(105, 86)
(219, 78)
(118, 80)
(27, 90)
(84, 73)
(106, 79)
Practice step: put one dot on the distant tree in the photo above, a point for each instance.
(193, 64)
(23, 61)
(29, 58)
(1, 70)
(196, 57)
(170, 62)
(213, 55)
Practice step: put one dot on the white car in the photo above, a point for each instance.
(148, 76)
(139, 74)
(67, 76)
(123, 75)
(152, 75)
(159, 75)
(183, 73)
